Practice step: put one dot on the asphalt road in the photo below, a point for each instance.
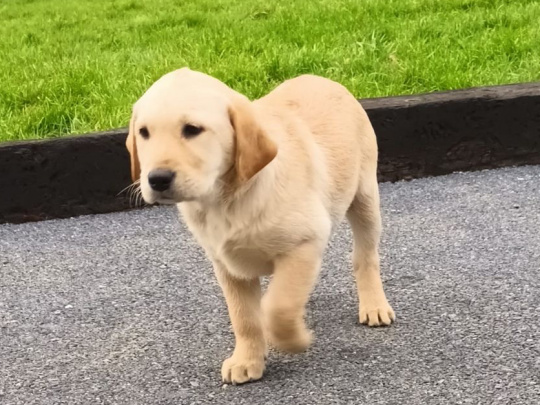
(123, 308)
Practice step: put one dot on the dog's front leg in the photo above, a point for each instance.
(284, 303)
(244, 303)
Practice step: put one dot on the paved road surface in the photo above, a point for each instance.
(118, 309)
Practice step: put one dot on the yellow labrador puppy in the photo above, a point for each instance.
(261, 185)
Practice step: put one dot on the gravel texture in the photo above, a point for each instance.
(123, 308)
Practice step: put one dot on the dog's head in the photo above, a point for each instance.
(188, 133)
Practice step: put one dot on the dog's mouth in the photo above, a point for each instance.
(162, 198)
(170, 198)
(159, 192)
(166, 201)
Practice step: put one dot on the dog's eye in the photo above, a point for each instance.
(190, 131)
(144, 132)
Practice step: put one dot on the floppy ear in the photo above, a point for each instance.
(254, 150)
(131, 146)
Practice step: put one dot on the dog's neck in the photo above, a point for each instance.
(231, 194)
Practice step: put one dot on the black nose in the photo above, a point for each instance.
(160, 179)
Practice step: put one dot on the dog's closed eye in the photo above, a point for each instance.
(190, 131)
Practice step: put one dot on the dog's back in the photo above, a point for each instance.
(339, 126)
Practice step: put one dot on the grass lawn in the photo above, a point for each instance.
(75, 66)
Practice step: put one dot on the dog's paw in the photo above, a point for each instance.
(377, 312)
(239, 369)
(297, 340)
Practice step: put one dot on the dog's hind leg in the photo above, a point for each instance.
(365, 219)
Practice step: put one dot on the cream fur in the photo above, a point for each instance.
(261, 189)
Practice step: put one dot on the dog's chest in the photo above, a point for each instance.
(241, 247)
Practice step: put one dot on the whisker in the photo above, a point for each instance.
(133, 196)
(124, 190)
(132, 191)
(140, 201)
(130, 186)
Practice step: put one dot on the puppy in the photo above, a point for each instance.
(261, 185)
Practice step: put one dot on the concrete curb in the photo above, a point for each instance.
(418, 136)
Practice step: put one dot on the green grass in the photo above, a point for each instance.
(75, 66)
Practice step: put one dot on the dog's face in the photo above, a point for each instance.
(186, 132)
(184, 141)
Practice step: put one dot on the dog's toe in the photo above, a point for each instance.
(381, 315)
(239, 370)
